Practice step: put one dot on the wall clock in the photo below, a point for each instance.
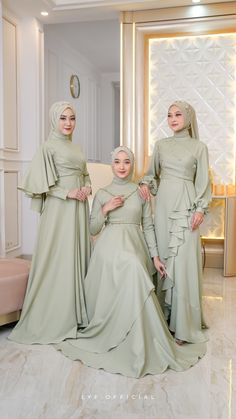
(74, 86)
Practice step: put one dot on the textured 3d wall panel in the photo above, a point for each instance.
(200, 70)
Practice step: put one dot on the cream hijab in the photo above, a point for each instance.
(189, 117)
(124, 187)
(55, 112)
(130, 155)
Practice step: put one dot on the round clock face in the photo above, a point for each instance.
(74, 86)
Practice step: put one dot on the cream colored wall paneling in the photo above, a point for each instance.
(12, 240)
(2, 219)
(10, 86)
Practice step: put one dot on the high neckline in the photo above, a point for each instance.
(182, 135)
(58, 136)
(118, 181)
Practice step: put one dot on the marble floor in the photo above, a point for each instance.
(36, 382)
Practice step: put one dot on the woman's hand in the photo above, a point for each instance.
(78, 194)
(160, 267)
(196, 220)
(144, 192)
(87, 190)
(116, 202)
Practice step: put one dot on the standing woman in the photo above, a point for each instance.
(59, 184)
(178, 173)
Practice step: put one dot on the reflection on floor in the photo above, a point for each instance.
(36, 382)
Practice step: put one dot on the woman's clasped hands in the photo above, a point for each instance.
(81, 194)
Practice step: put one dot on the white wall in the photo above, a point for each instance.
(95, 107)
(61, 61)
(2, 226)
(30, 114)
(29, 122)
(108, 109)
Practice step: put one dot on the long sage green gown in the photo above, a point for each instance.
(127, 332)
(54, 304)
(178, 175)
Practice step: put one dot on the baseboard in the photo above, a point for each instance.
(26, 257)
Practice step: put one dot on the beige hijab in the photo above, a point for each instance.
(130, 155)
(189, 117)
(55, 112)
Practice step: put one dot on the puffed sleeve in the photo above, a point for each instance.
(148, 229)
(202, 181)
(97, 219)
(151, 177)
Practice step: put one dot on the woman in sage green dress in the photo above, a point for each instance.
(58, 183)
(179, 177)
(127, 332)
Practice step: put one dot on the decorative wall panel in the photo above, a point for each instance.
(10, 139)
(11, 210)
(200, 70)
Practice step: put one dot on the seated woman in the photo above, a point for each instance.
(127, 332)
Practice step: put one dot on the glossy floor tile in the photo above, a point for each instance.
(37, 382)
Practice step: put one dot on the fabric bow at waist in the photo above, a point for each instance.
(67, 172)
(175, 178)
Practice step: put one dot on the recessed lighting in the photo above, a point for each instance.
(44, 13)
(196, 1)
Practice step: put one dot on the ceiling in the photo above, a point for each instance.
(62, 11)
(89, 26)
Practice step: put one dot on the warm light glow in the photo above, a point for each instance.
(121, 83)
(134, 73)
(196, 1)
(149, 99)
(234, 163)
(211, 297)
(44, 13)
(212, 237)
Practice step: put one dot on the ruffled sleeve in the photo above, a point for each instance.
(41, 176)
(151, 177)
(202, 181)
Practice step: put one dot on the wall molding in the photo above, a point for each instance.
(181, 12)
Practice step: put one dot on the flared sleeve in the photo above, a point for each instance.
(151, 177)
(202, 181)
(97, 219)
(148, 229)
(41, 176)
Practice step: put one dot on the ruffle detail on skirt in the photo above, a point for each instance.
(179, 222)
